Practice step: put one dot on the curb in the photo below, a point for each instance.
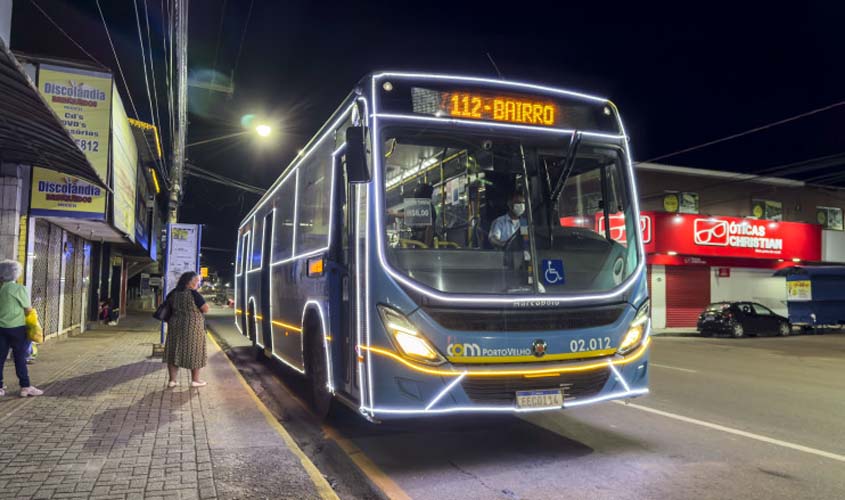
(324, 489)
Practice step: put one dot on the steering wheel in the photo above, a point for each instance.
(514, 237)
(506, 249)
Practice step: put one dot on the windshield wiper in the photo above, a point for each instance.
(567, 168)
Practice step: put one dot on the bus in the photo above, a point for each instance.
(452, 244)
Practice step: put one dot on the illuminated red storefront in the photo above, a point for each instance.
(697, 259)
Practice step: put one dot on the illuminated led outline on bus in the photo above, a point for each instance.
(295, 171)
(506, 409)
(376, 186)
(477, 298)
(511, 126)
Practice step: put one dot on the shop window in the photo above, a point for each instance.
(829, 218)
(684, 202)
(767, 209)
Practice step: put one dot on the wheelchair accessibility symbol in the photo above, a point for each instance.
(553, 271)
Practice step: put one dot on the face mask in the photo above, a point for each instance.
(518, 209)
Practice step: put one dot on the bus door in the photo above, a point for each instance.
(354, 195)
(266, 269)
(243, 265)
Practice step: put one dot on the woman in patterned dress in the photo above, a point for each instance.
(185, 345)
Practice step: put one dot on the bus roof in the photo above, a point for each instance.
(370, 79)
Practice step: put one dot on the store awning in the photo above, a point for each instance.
(30, 132)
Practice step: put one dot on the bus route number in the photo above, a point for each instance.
(592, 344)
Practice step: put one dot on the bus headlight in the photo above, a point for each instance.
(634, 336)
(407, 338)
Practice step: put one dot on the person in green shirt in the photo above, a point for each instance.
(14, 306)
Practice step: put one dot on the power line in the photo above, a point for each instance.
(217, 46)
(167, 47)
(144, 64)
(798, 167)
(116, 60)
(746, 132)
(153, 73)
(65, 33)
(225, 181)
(243, 37)
(223, 178)
(144, 61)
(122, 76)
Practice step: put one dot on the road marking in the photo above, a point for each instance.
(737, 432)
(324, 489)
(674, 368)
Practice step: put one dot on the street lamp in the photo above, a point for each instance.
(262, 130)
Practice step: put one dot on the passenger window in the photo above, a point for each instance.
(314, 198)
(283, 236)
(255, 245)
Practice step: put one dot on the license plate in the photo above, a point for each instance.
(539, 399)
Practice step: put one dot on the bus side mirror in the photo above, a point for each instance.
(357, 170)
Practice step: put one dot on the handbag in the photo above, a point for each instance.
(163, 311)
(34, 332)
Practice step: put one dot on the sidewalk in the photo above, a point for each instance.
(107, 427)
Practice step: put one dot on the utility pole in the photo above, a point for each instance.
(177, 166)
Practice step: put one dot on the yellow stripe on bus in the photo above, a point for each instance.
(505, 373)
(529, 359)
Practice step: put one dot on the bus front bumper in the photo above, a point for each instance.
(403, 389)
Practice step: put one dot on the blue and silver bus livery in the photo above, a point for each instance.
(450, 244)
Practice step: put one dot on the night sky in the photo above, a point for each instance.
(680, 76)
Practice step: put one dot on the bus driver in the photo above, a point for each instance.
(504, 226)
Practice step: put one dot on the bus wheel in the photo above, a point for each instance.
(320, 397)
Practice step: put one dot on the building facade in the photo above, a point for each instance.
(716, 236)
(83, 241)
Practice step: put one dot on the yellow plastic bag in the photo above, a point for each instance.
(34, 332)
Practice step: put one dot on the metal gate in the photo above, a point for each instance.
(39, 269)
(78, 280)
(54, 281)
(69, 284)
(687, 294)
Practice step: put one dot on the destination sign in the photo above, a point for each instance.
(495, 107)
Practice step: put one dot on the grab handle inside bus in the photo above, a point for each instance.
(357, 170)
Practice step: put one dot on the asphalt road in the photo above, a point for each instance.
(726, 418)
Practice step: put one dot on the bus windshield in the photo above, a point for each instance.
(492, 214)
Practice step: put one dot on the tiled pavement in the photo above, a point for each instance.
(107, 427)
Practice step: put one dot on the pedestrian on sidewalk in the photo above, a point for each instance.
(14, 306)
(108, 314)
(185, 344)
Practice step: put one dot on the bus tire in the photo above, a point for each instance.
(320, 399)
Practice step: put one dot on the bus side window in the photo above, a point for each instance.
(313, 196)
(255, 245)
(244, 255)
(283, 244)
(239, 252)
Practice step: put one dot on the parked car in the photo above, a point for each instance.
(740, 319)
